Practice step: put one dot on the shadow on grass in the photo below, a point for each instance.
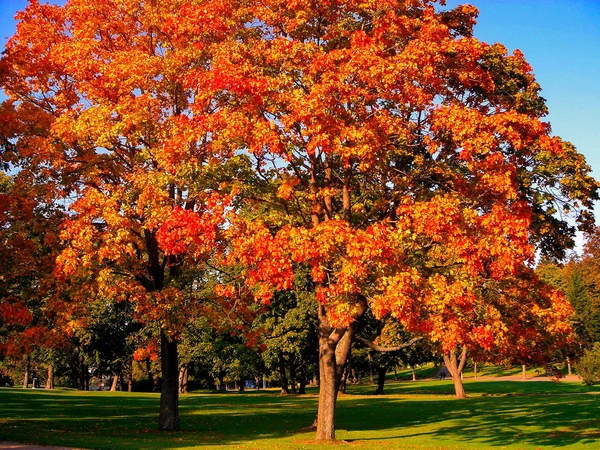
(268, 420)
(541, 420)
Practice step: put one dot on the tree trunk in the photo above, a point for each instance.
(371, 379)
(113, 386)
(26, 374)
(180, 379)
(292, 377)
(414, 373)
(302, 387)
(570, 372)
(50, 379)
(185, 380)
(524, 372)
(283, 375)
(475, 370)
(82, 372)
(455, 367)
(130, 377)
(149, 372)
(342, 356)
(327, 389)
(381, 371)
(169, 393)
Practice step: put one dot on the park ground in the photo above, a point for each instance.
(501, 412)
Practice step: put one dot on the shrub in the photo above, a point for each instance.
(589, 365)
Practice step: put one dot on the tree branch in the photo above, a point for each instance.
(388, 349)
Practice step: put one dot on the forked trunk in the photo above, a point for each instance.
(455, 367)
(169, 393)
(50, 379)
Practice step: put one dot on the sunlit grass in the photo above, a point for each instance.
(415, 415)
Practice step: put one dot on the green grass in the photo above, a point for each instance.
(417, 415)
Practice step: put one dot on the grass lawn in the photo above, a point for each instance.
(414, 415)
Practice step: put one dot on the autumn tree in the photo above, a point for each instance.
(406, 164)
(99, 96)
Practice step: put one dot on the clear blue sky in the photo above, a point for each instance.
(560, 39)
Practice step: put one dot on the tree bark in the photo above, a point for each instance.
(185, 380)
(302, 387)
(570, 372)
(327, 388)
(149, 372)
(292, 377)
(283, 375)
(50, 379)
(414, 373)
(381, 371)
(342, 354)
(130, 377)
(475, 370)
(455, 367)
(524, 372)
(26, 374)
(169, 393)
(113, 386)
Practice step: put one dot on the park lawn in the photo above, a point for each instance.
(417, 415)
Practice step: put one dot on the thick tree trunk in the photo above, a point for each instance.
(50, 379)
(169, 393)
(381, 371)
(455, 367)
(327, 389)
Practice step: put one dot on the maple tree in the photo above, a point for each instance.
(105, 114)
(378, 145)
(405, 163)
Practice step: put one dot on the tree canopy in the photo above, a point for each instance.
(378, 146)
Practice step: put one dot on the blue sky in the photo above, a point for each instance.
(560, 39)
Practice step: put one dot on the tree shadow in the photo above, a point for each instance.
(108, 420)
